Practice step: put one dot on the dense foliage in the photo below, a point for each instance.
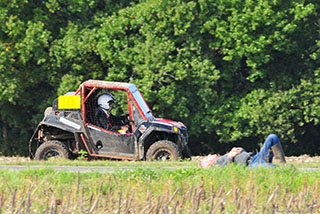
(232, 70)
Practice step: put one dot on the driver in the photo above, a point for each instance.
(104, 117)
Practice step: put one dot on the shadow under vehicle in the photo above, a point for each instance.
(69, 128)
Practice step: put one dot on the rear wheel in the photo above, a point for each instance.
(163, 150)
(52, 149)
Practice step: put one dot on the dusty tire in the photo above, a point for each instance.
(163, 150)
(52, 149)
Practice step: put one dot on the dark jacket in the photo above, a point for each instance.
(111, 122)
(241, 158)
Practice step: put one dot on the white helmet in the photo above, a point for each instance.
(105, 99)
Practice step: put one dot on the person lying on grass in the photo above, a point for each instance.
(238, 155)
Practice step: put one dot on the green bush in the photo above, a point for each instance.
(232, 71)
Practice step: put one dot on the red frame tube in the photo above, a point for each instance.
(129, 94)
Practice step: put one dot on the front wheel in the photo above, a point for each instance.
(52, 149)
(163, 150)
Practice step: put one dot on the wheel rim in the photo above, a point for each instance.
(51, 154)
(162, 156)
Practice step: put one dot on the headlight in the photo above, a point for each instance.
(175, 129)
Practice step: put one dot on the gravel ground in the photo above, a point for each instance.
(303, 159)
(296, 159)
(22, 159)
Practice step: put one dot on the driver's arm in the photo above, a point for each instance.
(118, 122)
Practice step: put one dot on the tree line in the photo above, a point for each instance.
(233, 71)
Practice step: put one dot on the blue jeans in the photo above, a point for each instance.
(260, 158)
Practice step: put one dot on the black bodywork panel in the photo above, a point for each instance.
(108, 143)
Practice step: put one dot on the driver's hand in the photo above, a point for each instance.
(125, 127)
(128, 119)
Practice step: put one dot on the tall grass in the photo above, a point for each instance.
(233, 189)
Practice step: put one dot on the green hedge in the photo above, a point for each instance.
(233, 71)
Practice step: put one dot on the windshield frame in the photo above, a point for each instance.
(140, 102)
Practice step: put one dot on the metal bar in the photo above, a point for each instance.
(92, 90)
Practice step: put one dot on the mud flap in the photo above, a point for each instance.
(186, 152)
(33, 137)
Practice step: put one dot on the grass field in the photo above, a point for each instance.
(233, 189)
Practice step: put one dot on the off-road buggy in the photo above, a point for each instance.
(69, 128)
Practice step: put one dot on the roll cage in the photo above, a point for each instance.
(137, 105)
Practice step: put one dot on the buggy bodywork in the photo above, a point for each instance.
(69, 127)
